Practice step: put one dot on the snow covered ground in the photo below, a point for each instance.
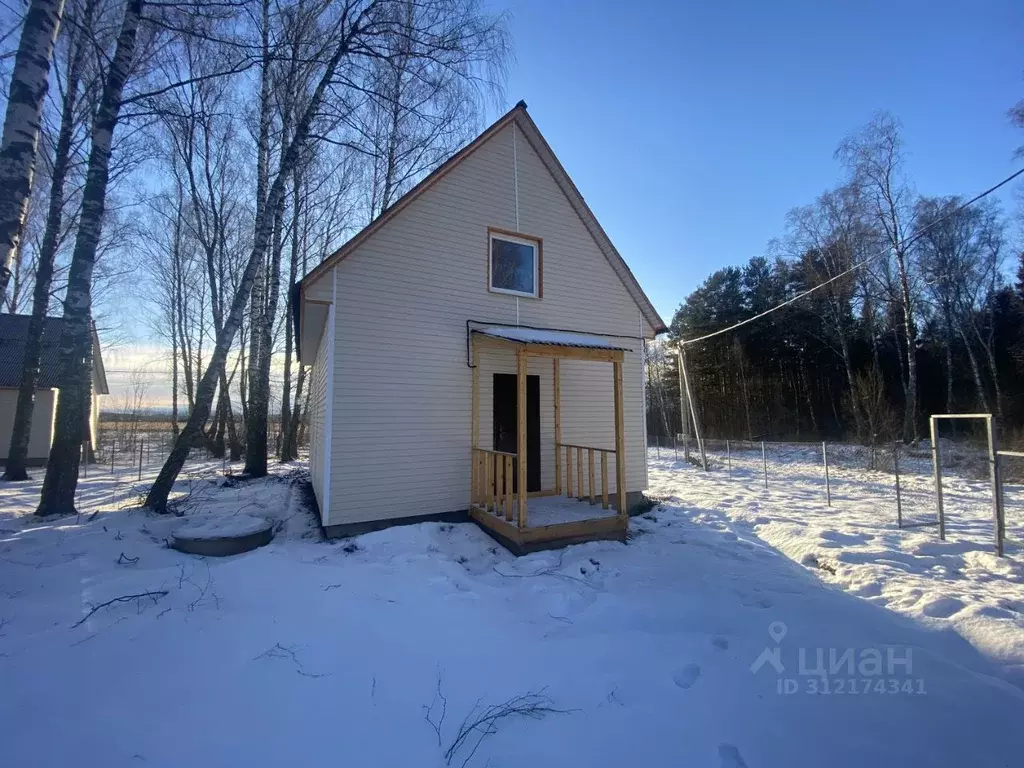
(959, 583)
(699, 642)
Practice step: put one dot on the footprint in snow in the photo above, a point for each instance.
(687, 676)
(942, 608)
(720, 643)
(731, 757)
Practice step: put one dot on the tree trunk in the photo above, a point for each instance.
(949, 374)
(910, 413)
(22, 427)
(288, 452)
(259, 390)
(255, 424)
(858, 419)
(174, 384)
(58, 493)
(979, 386)
(157, 497)
(298, 413)
(20, 140)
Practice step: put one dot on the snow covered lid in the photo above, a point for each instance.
(553, 338)
(213, 526)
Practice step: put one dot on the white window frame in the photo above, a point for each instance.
(520, 240)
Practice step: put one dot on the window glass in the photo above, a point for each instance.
(513, 266)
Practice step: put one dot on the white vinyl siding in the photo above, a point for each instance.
(40, 434)
(315, 418)
(400, 439)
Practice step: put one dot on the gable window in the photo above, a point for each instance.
(515, 264)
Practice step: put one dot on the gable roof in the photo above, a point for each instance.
(533, 135)
(14, 333)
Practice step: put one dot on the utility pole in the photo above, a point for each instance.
(689, 398)
(684, 405)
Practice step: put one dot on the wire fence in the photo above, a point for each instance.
(123, 445)
(896, 482)
(126, 457)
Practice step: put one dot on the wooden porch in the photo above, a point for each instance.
(580, 507)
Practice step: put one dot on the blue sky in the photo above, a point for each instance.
(692, 128)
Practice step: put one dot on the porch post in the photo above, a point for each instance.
(475, 418)
(558, 426)
(620, 441)
(521, 439)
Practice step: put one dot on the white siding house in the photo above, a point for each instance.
(390, 325)
(13, 334)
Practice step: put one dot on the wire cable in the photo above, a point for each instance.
(906, 243)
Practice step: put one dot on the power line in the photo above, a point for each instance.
(904, 243)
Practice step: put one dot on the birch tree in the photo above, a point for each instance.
(61, 480)
(322, 209)
(20, 139)
(201, 134)
(414, 118)
(77, 47)
(828, 238)
(142, 43)
(454, 34)
(874, 157)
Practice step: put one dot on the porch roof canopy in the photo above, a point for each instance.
(554, 343)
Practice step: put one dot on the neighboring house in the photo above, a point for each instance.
(419, 328)
(13, 332)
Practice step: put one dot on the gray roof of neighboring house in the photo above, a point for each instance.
(14, 331)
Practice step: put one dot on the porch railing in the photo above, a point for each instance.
(492, 485)
(582, 491)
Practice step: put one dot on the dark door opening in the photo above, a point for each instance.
(506, 429)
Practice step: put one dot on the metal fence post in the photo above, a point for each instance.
(997, 486)
(896, 469)
(728, 456)
(764, 463)
(937, 471)
(140, 461)
(113, 448)
(828, 489)
(686, 448)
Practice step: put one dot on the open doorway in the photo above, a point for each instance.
(506, 430)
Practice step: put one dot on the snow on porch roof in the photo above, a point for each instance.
(553, 338)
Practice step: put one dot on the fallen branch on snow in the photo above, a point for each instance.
(481, 723)
(436, 720)
(154, 596)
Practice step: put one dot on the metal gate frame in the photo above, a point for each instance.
(993, 463)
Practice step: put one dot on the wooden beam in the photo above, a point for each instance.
(579, 473)
(597, 354)
(473, 475)
(590, 468)
(556, 373)
(620, 441)
(508, 486)
(568, 471)
(499, 484)
(604, 479)
(581, 528)
(521, 441)
(487, 480)
(475, 419)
